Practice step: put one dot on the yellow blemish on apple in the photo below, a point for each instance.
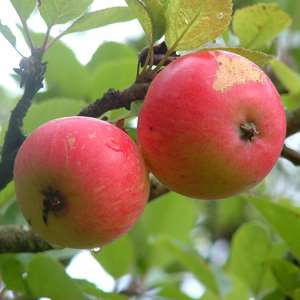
(232, 71)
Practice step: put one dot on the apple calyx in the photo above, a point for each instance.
(248, 131)
(53, 201)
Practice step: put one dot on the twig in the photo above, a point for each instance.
(47, 36)
(15, 239)
(159, 52)
(293, 122)
(291, 155)
(113, 99)
(157, 190)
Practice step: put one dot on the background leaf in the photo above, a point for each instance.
(156, 11)
(285, 221)
(6, 32)
(101, 18)
(287, 275)
(65, 76)
(289, 78)
(111, 52)
(12, 272)
(118, 257)
(40, 113)
(47, 278)
(140, 11)
(251, 245)
(163, 217)
(259, 24)
(24, 8)
(194, 263)
(62, 11)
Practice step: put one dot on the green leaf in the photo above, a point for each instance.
(296, 295)
(113, 296)
(114, 263)
(101, 18)
(140, 11)
(292, 7)
(156, 11)
(136, 108)
(259, 24)
(40, 113)
(290, 101)
(65, 76)
(284, 220)
(161, 218)
(62, 11)
(191, 24)
(274, 295)
(286, 274)
(117, 74)
(12, 274)
(289, 78)
(249, 250)
(24, 8)
(47, 278)
(110, 52)
(209, 296)
(11, 214)
(7, 193)
(6, 32)
(258, 57)
(171, 291)
(193, 262)
(238, 290)
(225, 216)
(90, 289)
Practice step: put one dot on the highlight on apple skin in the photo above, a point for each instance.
(212, 125)
(81, 182)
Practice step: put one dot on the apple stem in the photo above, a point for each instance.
(53, 202)
(248, 131)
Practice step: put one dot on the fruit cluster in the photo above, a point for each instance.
(212, 125)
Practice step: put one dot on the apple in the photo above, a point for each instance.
(212, 125)
(80, 182)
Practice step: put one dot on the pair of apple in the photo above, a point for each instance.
(212, 125)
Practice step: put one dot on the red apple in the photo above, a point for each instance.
(212, 125)
(81, 182)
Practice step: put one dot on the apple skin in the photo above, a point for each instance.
(189, 127)
(92, 171)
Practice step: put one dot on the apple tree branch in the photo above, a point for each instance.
(31, 72)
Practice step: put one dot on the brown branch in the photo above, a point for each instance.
(32, 72)
(157, 190)
(15, 239)
(292, 155)
(293, 122)
(113, 99)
